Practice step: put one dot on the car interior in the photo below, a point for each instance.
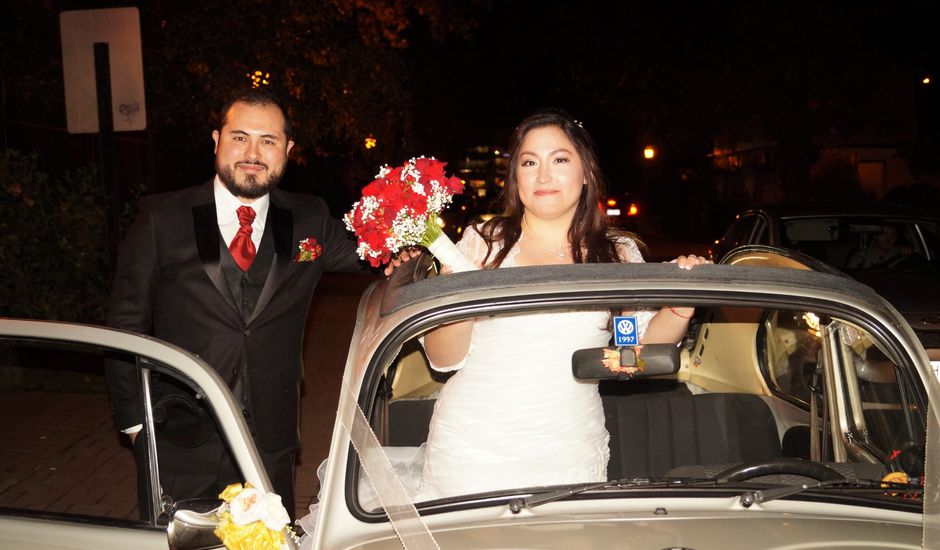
(769, 394)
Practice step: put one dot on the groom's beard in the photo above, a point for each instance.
(252, 187)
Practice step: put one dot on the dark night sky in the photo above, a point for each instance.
(678, 75)
(531, 54)
(670, 73)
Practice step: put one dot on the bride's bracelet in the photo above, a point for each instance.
(677, 314)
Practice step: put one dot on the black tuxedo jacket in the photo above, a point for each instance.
(169, 284)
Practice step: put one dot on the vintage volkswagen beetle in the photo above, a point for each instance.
(794, 415)
(796, 402)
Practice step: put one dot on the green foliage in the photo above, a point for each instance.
(53, 255)
(339, 64)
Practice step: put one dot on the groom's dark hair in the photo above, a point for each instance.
(260, 96)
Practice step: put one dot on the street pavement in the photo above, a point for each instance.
(72, 457)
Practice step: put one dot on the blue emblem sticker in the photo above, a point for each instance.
(625, 331)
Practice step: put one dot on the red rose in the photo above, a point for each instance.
(308, 250)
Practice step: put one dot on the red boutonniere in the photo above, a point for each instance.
(308, 250)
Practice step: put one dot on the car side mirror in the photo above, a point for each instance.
(192, 525)
(625, 363)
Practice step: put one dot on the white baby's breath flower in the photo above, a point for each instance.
(410, 173)
(408, 227)
(369, 206)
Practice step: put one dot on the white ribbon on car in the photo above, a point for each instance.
(402, 514)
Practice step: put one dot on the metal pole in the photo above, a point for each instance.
(106, 157)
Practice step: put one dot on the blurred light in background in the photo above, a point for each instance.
(259, 78)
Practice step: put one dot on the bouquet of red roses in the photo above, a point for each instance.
(400, 208)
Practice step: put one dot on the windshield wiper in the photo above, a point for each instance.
(750, 498)
(516, 505)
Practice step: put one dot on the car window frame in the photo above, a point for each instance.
(161, 357)
(71, 517)
(762, 232)
(841, 385)
(742, 228)
(856, 435)
(385, 353)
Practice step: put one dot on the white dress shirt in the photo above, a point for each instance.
(226, 206)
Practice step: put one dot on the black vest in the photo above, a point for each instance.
(246, 289)
(246, 286)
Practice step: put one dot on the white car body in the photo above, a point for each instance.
(656, 515)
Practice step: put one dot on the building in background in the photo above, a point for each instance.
(483, 171)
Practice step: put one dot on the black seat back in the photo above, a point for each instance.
(652, 433)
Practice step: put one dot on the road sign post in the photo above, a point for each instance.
(102, 63)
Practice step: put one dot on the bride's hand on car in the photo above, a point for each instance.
(690, 261)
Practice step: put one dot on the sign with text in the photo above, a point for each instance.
(120, 29)
(625, 331)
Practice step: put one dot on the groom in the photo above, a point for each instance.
(215, 270)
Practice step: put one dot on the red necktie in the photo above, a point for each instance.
(242, 249)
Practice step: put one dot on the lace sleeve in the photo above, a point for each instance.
(472, 245)
(628, 251)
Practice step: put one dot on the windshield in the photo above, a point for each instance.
(514, 414)
(855, 243)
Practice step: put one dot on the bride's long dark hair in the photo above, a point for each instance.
(589, 233)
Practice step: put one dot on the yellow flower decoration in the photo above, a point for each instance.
(250, 519)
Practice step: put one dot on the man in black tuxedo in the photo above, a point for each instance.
(199, 270)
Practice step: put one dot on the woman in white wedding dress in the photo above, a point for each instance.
(513, 415)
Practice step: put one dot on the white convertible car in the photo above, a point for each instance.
(795, 414)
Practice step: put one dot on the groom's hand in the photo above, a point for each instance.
(403, 256)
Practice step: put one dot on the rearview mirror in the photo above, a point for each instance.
(625, 363)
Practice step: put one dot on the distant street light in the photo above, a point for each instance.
(649, 152)
(926, 80)
(370, 142)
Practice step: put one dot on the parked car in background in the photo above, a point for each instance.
(621, 210)
(796, 414)
(850, 237)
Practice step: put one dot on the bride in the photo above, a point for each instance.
(485, 433)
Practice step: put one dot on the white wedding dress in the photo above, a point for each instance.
(514, 415)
